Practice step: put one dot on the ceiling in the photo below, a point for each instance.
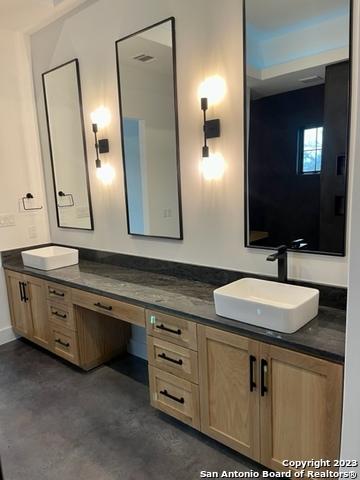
(137, 45)
(27, 15)
(261, 14)
(156, 42)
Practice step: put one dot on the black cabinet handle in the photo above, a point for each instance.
(166, 394)
(58, 294)
(105, 307)
(21, 291)
(57, 314)
(264, 369)
(58, 340)
(173, 360)
(170, 330)
(252, 361)
(26, 299)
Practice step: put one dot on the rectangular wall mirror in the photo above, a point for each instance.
(65, 123)
(297, 75)
(146, 64)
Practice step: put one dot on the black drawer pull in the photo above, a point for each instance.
(166, 394)
(26, 298)
(58, 340)
(252, 361)
(105, 307)
(21, 285)
(57, 314)
(58, 294)
(165, 357)
(170, 330)
(264, 369)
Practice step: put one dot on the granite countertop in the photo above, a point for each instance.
(324, 336)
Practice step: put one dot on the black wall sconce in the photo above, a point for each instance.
(211, 127)
(101, 146)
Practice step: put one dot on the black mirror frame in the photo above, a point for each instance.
(172, 20)
(245, 146)
(76, 61)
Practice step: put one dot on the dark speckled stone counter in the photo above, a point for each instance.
(324, 336)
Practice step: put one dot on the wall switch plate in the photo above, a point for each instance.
(7, 220)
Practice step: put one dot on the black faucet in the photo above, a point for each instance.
(281, 257)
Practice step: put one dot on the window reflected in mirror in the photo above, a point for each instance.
(297, 121)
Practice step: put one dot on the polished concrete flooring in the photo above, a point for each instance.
(59, 423)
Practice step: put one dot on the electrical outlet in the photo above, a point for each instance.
(7, 220)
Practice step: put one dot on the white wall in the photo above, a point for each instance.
(351, 411)
(213, 213)
(20, 158)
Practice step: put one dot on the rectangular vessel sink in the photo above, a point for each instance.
(276, 306)
(50, 258)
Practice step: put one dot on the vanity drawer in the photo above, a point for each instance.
(64, 343)
(174, 396)
(180, 361)
(110, 307)
(175, 329)
(58, 293)
(62, 315)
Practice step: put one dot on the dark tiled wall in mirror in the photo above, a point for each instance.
(297, 82)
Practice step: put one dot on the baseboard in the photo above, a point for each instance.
(7, 335)
(137, 348)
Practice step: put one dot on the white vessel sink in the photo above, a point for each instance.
(49, 258)
(276, 306)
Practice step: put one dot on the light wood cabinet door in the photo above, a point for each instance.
(37, 306)
(229, 399)
(19, 309)
(300, 409)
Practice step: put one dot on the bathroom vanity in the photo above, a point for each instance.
(267, 395)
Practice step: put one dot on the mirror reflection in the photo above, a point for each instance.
(147, 94)
(67, 146)
(297, 111)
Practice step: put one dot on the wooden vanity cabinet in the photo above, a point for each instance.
(173, 366)
(19, 309)
(300, 413)
(28, 307)
(229, 405)
(35, 294)
(59, 319)
(266, 402)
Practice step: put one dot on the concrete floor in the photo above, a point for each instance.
(59, 423)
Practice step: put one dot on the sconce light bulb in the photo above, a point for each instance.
(105, 174)
(213, 88)
(101, 117)
(204, 103)
(213, 167)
